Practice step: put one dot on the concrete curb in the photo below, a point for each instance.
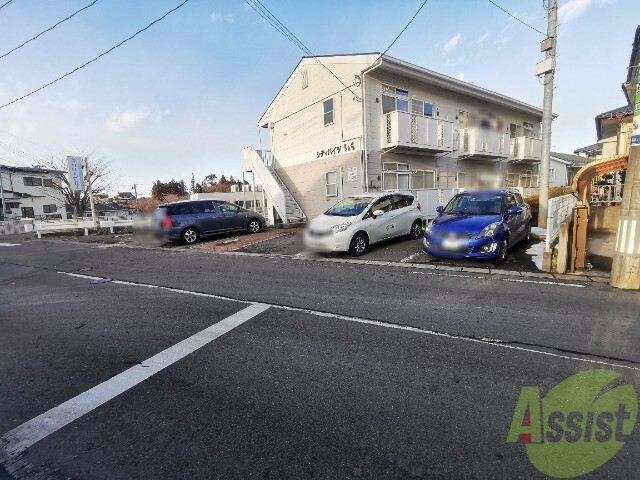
(580, 277)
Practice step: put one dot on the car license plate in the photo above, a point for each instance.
(451, 244)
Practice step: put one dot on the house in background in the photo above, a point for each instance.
(30, 192)
(123, 198)
(613, 131)
(348, 124)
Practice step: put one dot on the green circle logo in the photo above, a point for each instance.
(578, 426)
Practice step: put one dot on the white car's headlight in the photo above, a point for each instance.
(341, 227)
(489, 230)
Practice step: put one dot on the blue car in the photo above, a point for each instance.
(482, 224)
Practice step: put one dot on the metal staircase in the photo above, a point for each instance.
(260, 163)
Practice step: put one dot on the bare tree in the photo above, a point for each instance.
(99, 175)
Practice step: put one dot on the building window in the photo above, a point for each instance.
(429, 109)
(398, 99)
(421, 179)
(397, 176)
(50, 208)
(328, 111)
(332, 184)
(395, 166)
(47, 182)
(27, 212)
(305, 79)
(32, 182)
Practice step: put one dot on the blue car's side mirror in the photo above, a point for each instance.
(440, 209)
(514, 210)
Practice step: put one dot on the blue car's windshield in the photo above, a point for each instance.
(349, 207)
(475, 204)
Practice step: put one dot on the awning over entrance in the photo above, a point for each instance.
(583, 178)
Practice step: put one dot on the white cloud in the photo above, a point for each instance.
(219, 17)
(452, 44)
(125, 120)
(482, 38)
(572, 9)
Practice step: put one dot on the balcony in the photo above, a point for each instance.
(475, 142)
(416, 132)
(526, 149)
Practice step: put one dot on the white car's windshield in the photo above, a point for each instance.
(349, 207)
(480, 204)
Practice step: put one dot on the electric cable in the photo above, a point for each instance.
(48, 29)
(516, 18)
(405, 27)
(7, 3)
(278, 25)
(95, 58)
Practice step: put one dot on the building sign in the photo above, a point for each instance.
(635, 126)
(352, 174)
(348, 146)
(76, 176)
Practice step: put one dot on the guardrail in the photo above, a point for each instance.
(67, 226)
(560, 208)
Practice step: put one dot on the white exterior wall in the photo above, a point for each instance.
(304, 149)
(449, 105)
(39, 196)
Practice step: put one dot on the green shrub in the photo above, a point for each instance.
(534, 201)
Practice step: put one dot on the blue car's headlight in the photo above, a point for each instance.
(428, 229)
(340, 227)
(489, 230)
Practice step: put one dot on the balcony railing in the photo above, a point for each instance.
(526, 148)
(402, 129)
(482, 143)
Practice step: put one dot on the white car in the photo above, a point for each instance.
(358, 221)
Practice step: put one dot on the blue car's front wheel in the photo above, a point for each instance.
(503, 246)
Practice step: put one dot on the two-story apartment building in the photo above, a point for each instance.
(29, 192)
(347, 124)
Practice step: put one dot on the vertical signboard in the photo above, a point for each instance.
(635, 127)
(76, 177)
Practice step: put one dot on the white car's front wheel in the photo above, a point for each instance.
(359, 244)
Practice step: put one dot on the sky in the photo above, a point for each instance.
(184, 96)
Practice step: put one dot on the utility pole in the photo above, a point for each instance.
(88, 183)
(548, 68)
(135, 191)
(625, 270)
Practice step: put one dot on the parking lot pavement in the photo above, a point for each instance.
(521, 258)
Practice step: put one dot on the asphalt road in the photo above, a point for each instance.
(284, 367)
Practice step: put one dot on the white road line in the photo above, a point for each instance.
(22, 437)
(9, 244)
(485, 341)
(541, 282)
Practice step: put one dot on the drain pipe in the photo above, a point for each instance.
(365, 152)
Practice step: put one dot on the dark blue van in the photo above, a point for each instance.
(189, 220)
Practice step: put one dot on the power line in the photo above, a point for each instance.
(48, 29)
(96, 58)
(516, 18)
(2, 6)
(405, 27)
(278, 25)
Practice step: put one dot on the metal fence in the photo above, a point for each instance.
(606, 194)
(560, 208)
